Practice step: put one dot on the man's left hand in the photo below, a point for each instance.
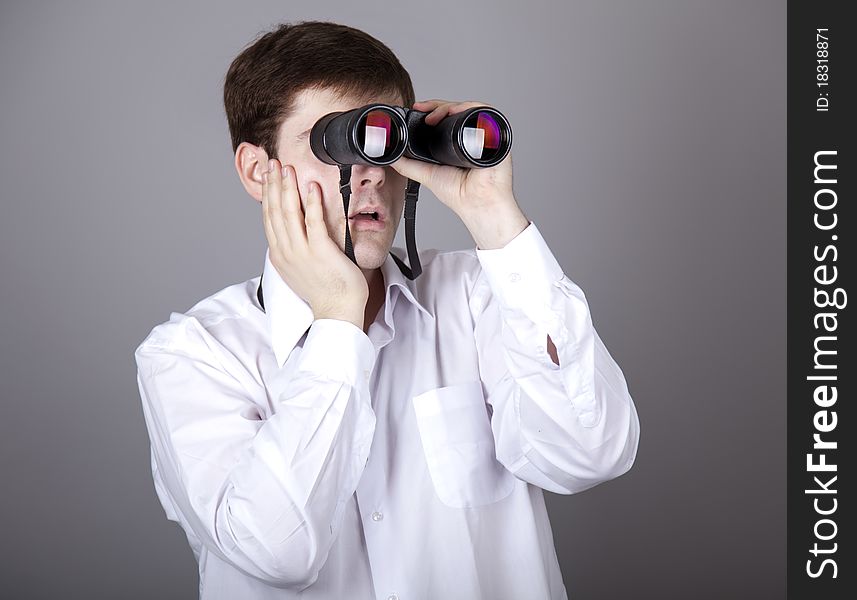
(481, 197)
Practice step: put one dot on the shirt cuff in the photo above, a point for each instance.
(522, 272)
(338, 350)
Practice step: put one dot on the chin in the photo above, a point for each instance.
(371, 259)
(370, 255)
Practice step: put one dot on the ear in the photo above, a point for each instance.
(250, 162)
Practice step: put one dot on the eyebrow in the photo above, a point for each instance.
(304, 134)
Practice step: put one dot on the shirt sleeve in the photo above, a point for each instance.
(563, 428)
(266, 495)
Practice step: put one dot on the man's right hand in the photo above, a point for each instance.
(302, 252)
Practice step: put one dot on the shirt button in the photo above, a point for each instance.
(514, 277)
(393, 597)
(377, 516)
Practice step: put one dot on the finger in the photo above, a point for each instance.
(450, 108)
(266, 213)
(462, 106)
(415, 169)
(275, 200)
(428, 105)
(293, 214)
(315, 227)
(438, 114)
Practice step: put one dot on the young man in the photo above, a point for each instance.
(332, 430)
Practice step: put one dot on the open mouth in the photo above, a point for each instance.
(366, 216)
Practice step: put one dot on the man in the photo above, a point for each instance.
(332, 430)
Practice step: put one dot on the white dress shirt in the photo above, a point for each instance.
(307, 459)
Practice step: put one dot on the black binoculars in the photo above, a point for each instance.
(379, 134)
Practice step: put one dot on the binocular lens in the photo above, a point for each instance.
(481, 136)
(377, 135)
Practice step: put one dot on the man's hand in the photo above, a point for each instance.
(481, 197)
(302, 252)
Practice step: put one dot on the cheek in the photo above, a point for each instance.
(326, 178)
(333, 211)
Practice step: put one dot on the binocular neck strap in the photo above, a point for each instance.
(345, 190)
(412, 193)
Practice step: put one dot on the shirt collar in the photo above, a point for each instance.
(289, 315)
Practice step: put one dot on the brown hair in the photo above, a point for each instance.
(263, 80)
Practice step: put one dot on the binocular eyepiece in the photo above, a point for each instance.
(379, 134)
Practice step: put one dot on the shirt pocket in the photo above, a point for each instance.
(458, 445)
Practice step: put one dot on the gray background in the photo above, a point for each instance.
(650, 151)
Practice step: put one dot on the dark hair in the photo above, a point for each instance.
(261, 84)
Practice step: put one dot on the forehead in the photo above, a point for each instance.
(312, 104)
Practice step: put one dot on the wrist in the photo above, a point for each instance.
(352, 312)
(494, 228)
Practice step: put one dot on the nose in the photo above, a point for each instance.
(367, 176)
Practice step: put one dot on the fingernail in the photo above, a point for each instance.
(265, 177)
(271, 165)
(285, 173)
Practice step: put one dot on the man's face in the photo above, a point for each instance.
(380, 189)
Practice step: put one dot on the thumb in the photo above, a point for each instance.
(414, 169)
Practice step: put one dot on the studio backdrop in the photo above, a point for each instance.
(649, 149)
